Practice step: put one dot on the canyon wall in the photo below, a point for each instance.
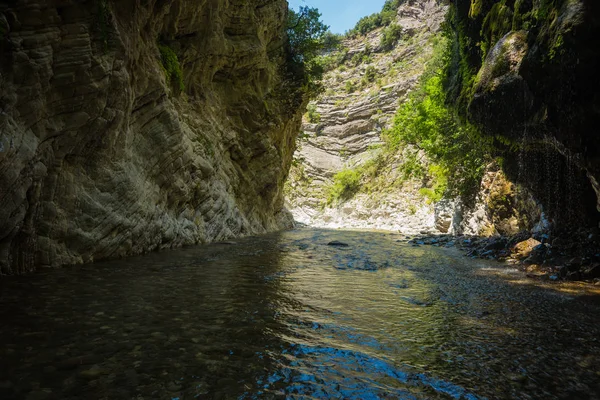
(343, 129)
(128, 126)
(526, 73)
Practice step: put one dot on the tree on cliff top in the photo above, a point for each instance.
(306, 33)
(307, 36)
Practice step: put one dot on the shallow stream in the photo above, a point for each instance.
(288, 316)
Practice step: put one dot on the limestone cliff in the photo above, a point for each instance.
(526, 72)
(128, 126)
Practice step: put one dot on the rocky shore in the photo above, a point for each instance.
(559, 256)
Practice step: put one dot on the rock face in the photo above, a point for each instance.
(105, 152)
(526, 72)
(499, 208)
(344, 130)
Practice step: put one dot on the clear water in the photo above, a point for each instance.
(286, 316)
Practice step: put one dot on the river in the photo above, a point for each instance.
(288, 316)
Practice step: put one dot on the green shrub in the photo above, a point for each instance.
(350, 86)
(312, 114)
(371, 73)
(331, 41)
(411, 166)
(171, 66)
(345, 185)
(390, 36)
(438, 184)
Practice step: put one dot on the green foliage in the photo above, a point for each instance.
(312, 114)
(332, 41)
(428, 123)
(334, 59)
(307, 37)
(371, 73)
(438, 183)
(390, 36)
(412, 166)
(350, 86)
(171, 66)
(383, 18)
(557, 47)
(345, 185)
(306, 34)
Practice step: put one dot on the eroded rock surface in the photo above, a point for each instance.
(103, 155)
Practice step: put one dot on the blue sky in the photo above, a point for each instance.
(341, 15)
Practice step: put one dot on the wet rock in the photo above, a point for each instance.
(93, 372)
(524, 248)
(39, 395)
(77, 362)
(337, 243)
(593, 272)
(574, 276)
(563, 271)
(496, 244)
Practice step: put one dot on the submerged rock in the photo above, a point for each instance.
(336, 243)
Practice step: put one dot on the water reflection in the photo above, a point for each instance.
(286, 316)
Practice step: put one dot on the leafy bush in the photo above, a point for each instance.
(345, 185)
(332, 41)
(390, 36)
(312, 114)
(438, 183)
(350, 86)
(171, 66)
(371, 73)
(334, 59)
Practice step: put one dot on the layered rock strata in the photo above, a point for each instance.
(362, 95)
(107, 151)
